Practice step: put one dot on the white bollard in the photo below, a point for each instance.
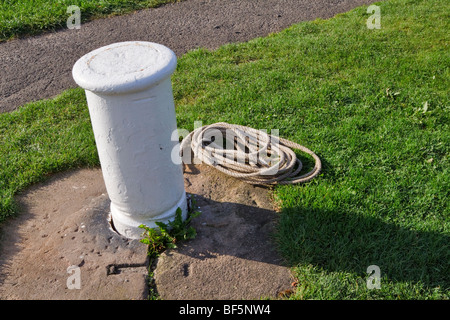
(129, 94)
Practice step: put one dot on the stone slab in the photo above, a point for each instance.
(233, 255)
(64, 223)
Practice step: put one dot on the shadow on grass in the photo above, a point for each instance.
(346, 242)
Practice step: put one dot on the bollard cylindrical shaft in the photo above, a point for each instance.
(130, 100)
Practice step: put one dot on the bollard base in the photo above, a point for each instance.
(128, 227)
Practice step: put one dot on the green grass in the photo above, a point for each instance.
(373, 104)
(30, 17)
(41, 138)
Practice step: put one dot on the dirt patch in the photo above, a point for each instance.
(40, 67)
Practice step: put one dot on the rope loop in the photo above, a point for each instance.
(251, 155)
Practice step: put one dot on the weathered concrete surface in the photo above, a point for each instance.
(63, 223)
(233, 255)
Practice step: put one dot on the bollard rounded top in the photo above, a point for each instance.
(124, 67)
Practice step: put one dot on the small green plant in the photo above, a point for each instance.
(156, 240)
(178, 229)
(168, 235)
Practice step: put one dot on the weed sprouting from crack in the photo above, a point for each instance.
(167, 236)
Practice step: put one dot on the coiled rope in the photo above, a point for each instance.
(255, 157)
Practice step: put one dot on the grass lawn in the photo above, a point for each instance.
(28, 17)
(373, 104)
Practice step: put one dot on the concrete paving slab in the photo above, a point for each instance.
(63, 232)
(63, 228)
(233, 255)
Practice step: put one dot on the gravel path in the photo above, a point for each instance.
(40, 67)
